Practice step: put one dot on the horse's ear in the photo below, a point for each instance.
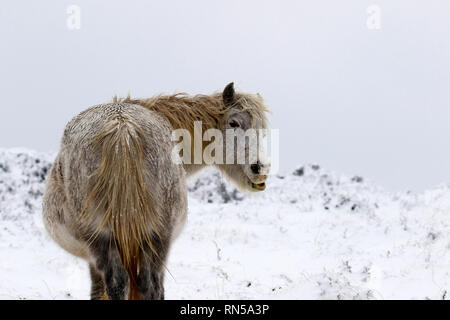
(228, 94)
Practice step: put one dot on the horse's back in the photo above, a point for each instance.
(82, 130)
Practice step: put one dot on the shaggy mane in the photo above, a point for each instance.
(182, 109)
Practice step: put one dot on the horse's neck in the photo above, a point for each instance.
(183, 112)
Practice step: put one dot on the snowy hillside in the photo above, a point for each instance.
(312, 234)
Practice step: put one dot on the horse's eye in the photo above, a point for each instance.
(234, 124)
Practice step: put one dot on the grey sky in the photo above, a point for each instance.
(358, 101)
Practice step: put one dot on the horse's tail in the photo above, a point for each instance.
(117, 192)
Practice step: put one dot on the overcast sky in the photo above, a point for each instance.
(352, 99)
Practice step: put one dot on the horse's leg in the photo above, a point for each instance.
(109, 266)
(97, 285)
(150, 281)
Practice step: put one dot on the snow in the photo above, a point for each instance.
(313, 234)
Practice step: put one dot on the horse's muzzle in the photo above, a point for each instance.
(259, 186)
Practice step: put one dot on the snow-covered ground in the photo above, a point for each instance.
(313, 234)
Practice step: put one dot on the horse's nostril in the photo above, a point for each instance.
(255, 168)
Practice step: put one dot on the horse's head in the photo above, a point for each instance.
(244, 112)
